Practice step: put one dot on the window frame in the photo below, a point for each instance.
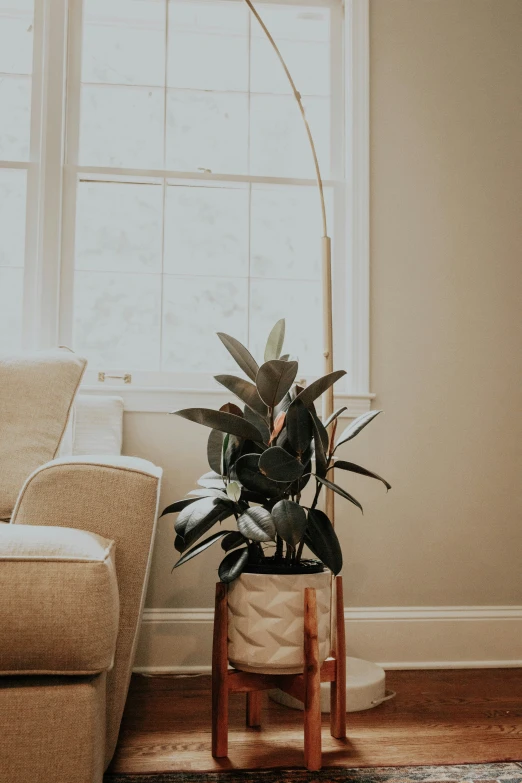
(49, 280)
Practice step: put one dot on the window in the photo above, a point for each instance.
(183, 194)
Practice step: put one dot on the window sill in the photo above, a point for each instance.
(143, 399)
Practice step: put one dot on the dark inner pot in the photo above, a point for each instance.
(271, 566)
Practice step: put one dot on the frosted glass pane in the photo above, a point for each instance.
(12, 217)
(308, 62)
(118, 227)
(206, 231)
(124, 42)
(293, 22)
(15, 114)
(11, 303)
(208, 46)
(278, 142)
(117, 319)
(16, 36)
(286, 232)
(299, 302)
(121, 126)
(193, 311)
(207, 130)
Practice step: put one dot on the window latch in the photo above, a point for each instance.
(126, 378)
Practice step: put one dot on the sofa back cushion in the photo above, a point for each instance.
(36, 394)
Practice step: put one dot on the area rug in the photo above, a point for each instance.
(466, 773)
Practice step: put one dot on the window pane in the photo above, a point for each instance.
(299, 302)
(119, 227)
(193, 310)
(207, 130)
(11, 303)
(121, 126)
(117, 319)
(16, 36)
(15, 117)
(208, 45)
(124, 42)
(206, 231)
(12, 217)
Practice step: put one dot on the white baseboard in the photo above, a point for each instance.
(179, 641)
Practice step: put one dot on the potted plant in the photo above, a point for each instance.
(262, 456)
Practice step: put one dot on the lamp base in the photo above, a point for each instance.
(365, 688)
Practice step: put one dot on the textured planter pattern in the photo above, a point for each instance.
(265, 621)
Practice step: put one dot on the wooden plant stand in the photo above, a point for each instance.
(306, 686)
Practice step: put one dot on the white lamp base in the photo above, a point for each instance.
(365, 688)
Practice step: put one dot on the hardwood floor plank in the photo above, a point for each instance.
(437, 717)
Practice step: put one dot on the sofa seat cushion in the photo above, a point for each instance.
(59, 604)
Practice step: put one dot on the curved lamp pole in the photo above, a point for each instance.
(328, 396)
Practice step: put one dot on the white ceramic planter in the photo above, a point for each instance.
(266, 617)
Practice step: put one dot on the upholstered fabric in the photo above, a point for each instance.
(59, 606)
(52, 729)
(115, 498)
(36, 394)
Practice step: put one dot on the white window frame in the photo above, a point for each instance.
(49, 279)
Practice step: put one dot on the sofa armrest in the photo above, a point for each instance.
(117, 498)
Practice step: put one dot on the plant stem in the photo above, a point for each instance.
(279, 548)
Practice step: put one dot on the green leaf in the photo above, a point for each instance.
(179, 543)
(214, 447)
(247, 471)
(202, 546)
(232, 565)
(209, 492)
(275, 341)
(245, 390)
(340, 491)
(285, 357)
(257, 524)
(233, 540)
(240, 354)
(318, 387)
(274, 379)
(218, 420)
(211, 480)
(343, 465)
(320, 445)
(290, 521)
(299, 427)
(259, 422)
(195, 520)
(179, 505)
(230, 407)
(234, 491)
(322, 539)
(334, 415)
(356, 426)
(279, 465)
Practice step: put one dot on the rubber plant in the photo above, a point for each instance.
(262, 455)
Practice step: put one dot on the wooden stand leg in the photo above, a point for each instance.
(253, 708)
(338, 687)
(220, 675)
(312, 685)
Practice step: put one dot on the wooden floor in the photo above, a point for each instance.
(438, 717)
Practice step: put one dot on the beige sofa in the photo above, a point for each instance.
(74, 562)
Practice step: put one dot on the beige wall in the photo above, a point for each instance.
(446, 242)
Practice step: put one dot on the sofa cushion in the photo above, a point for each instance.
(59, 605)
(36, 394)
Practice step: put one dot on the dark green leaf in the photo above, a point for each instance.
(232, 565)
(201, 546)
(320, 429)
(334, 415)
(322, 539)
(320, 438)
(233, 540)
(211, 480)
(318, 387)
(290, 521)
(279, 465)
(259, 422)
(356, 426)
(247, 471)
(240, 354)
(179, 505)
(218, 420)
(194, 521)
(209, 492)
(285, 357)
(340, 491)
(283, 406)
(274, 379)
(214, 447)
(275, 341)
(231, 451)
(343, 465)
(257, 524)
(245, 390)
(299, 426)
(230, 407)
(179, 543)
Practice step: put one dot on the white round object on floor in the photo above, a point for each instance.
(365, 688)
